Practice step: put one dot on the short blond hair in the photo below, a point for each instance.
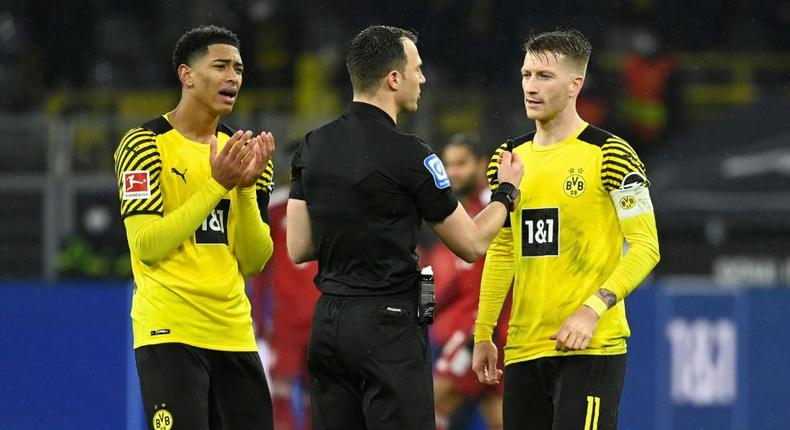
(570, 43)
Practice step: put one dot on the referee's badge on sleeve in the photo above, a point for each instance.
(136, 185)
(436, 168)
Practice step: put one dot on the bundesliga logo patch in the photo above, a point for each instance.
(136, 185)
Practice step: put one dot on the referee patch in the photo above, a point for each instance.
(436, 168)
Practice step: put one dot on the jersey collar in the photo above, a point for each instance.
(371, 111)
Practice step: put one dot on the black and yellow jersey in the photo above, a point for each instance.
(194, 293)
(579, 199)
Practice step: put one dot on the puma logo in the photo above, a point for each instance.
(182, 175)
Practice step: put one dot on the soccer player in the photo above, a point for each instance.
(193, 198)
(360, 188)
(584, 190)
(457, 291)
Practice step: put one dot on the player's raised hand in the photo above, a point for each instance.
(511, 168)
(229, 164)
(576, 331)
(262, 148)
(484, 358)
(267, 147)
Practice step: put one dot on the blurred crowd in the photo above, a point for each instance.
(659, 69)
(121, 44)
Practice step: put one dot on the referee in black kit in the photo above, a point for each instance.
(360, 187)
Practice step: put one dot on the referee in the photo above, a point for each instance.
(585, 191)
(360, 188)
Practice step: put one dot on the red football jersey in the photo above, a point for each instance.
(457, 284)
(288, 286)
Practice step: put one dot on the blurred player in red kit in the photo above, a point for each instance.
(286, 289)
(457, 291)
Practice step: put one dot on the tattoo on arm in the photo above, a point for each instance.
(608, 297)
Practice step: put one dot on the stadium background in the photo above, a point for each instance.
(701, 89)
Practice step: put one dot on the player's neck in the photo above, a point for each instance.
(557, 129)
(381, 101)
(193, 121)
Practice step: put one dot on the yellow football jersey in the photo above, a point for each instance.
(563, 242)
(196, 294)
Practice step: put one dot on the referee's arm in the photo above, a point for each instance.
(298, 233)
(469, 238)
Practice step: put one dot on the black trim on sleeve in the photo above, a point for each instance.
(224, 128)
(438, 212)
(158, 125)
(143, 212)
(594, 135)
(297, 189)
(263, 205)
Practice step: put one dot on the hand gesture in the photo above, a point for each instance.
(484, 359)
(577, 330)
(262, 148)
(511, 168)
(229, 164)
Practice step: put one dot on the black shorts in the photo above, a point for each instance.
(564, 393)
(370, 365)
(189, 388)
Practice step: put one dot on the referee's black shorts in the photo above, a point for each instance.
(190, 388)
(576, 392)
(370, 365)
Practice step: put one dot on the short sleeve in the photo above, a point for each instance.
(297, 189)
(425, 177)
(137, 169)
(620, 166)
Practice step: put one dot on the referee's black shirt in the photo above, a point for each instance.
(367, 185)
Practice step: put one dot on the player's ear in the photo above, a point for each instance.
(575, 86)
(185, 75)
(393, 80)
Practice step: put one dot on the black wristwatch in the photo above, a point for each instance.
(507, 194)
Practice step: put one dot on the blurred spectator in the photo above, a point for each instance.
(96, 249)
(457, 286)
(646, 76)
(291, 293)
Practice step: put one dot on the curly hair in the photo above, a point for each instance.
(570, 43)
(374, 52)
(194, 43)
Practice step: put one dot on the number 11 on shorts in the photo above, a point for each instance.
(593, 408)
